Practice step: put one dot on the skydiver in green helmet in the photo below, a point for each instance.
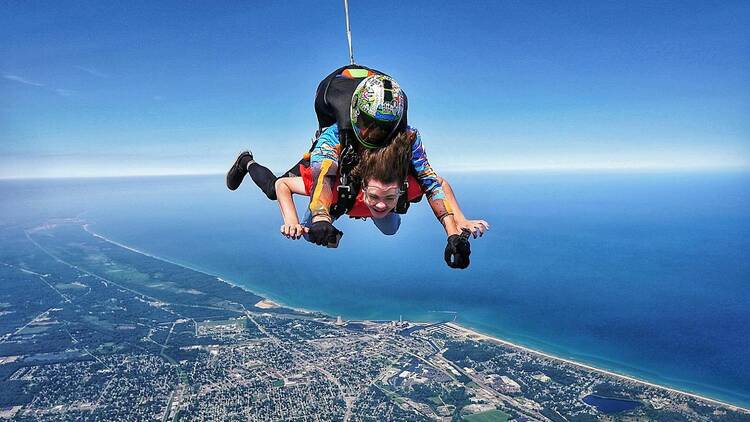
(360, 110)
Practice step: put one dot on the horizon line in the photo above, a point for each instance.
(509, 169)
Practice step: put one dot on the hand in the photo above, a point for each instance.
(293, 231)
(458, 250)
(475, 227)
(323, 233)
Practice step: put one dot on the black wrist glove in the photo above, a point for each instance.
(324, 234)
(458, 250)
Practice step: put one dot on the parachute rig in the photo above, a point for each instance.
(333, 102)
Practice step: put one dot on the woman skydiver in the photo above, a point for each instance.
(375, 117)
(382, 173)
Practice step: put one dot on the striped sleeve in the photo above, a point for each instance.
(324, 165)
(428, 179)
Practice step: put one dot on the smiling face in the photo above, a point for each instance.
(381, 198)
(382, 172)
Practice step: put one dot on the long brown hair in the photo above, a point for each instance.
(389, 164)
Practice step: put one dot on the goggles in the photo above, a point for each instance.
(373, 196)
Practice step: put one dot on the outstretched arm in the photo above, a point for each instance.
(285, 187)
(458, 249)
(476, 227)
(430, 183)
(324, 162)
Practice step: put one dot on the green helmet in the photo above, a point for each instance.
(377, 108)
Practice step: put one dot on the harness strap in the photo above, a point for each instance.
(348, 188)
(403, 199)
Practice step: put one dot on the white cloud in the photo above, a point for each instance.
(64, 92)
(93, 72)
(19, 79)
(59, 91)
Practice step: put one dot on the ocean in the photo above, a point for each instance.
(646, 274)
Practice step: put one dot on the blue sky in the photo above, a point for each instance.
(122, 88)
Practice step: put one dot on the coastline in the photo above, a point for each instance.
(268, 303)
(276, 301)
(471, 333)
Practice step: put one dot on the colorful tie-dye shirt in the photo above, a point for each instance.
(324, 163)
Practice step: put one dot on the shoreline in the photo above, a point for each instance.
(264, 296)
(468, 332)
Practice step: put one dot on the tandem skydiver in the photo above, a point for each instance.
(360, 111)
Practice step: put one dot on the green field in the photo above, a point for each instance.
(488, 416)
(239, 323)
(34, 329)
(70, 286)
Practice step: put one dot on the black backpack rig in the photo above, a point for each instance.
(333, 100)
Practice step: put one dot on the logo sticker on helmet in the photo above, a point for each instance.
(356, 73)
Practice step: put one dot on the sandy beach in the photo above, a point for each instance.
(267, 304)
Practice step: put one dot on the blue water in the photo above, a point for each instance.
(645, 274)
(610, 405)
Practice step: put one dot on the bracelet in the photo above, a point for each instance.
(442, 217)
(321, 217)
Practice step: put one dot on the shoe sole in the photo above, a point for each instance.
(236, 165)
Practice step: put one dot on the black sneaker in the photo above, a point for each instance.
(237, 172)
